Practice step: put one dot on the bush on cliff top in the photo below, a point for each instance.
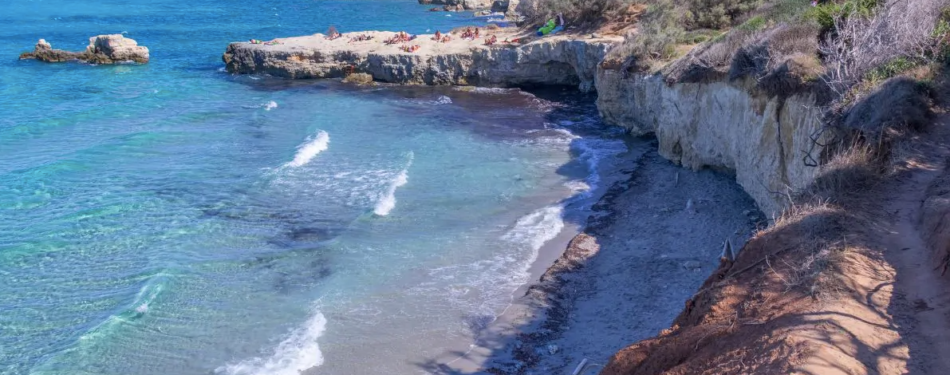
(574, 11)
(719, 14)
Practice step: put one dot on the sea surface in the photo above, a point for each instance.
(170, 218)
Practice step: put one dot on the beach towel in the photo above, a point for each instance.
(547, 28)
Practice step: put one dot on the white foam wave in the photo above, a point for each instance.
(270, 105)
(593, 151)
(486, 287)
(387, 201)
(145, 296)
(536, 229)
(295, 353)
(310, 149)
(443, 100)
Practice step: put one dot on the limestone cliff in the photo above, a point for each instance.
(549, 61)
(765, 140)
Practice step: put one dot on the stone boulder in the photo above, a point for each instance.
(102, 49)
(118, 48)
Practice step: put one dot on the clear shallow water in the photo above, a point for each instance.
(172, 219)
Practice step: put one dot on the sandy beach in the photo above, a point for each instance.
(624, 277)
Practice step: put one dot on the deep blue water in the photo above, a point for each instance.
(170, 218)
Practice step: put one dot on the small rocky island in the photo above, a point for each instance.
(102, 49)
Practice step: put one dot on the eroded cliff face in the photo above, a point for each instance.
(550, 61)
(765, 140)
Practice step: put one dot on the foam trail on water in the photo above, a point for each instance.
(592, 152)
(270, 105)
(309, 150)
(297, 352)
(536, 229)
(387, 200)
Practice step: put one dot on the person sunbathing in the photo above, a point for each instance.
(438, 36)
(271, 42)
(476, 33)
(332, 33)
(360, 38)
(410, 49)
(394, 40)
(491, 40)
(446, 39)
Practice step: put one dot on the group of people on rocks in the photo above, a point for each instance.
(469, 34)
(439, 37)
(408, 48)
(400, 37)
(403, 37)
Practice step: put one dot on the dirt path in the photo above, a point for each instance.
(899, 319)
(925, 293)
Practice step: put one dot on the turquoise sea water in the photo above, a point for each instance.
(173, 219)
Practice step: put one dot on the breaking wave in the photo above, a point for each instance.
(295, 353)
(387, 200)
(310, 149)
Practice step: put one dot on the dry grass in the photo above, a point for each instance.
(823, 219)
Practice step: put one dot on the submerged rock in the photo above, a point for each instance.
(102, 49)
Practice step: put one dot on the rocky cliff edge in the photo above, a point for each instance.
(557, 60)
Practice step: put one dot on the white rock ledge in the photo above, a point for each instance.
(555, 60)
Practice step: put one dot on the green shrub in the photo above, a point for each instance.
(658, 34)
(787, 10)
(573, 10)
(719, 14)
(890, 69)
(941, 37)
(697, 36)
(753, 24)
(826, 14)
